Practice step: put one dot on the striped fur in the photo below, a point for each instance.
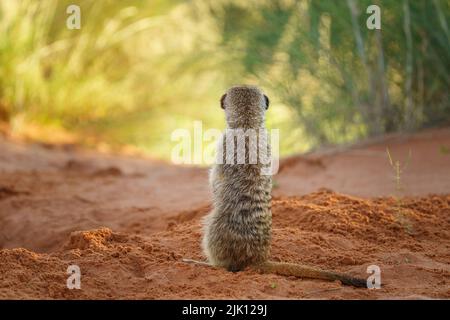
(237, 232)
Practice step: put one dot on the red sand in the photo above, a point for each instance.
(143, 216)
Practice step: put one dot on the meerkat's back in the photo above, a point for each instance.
(237, 232)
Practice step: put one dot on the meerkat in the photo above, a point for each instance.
(237, 232)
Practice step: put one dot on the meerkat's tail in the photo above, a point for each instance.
(296, 270)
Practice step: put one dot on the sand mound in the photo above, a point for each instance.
(408, 238)
(89, 239)
(376, 220)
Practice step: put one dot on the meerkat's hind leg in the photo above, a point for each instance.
(202, 263)
(207, 264)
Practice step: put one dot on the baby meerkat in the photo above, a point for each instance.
(237, 232)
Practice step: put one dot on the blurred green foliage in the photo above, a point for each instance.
(120, 79)
(344, 80)
(137, 70)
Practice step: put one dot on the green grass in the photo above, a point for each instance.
(137, 70)
(444, 150)
(131, 75)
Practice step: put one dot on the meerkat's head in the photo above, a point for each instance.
(245, 107)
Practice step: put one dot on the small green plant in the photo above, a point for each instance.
(398, 168)
(273, 285)
(444, 150)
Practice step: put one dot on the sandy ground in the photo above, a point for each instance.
(128, 222)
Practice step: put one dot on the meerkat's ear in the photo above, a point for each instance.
(267, 101)
(222, 101)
